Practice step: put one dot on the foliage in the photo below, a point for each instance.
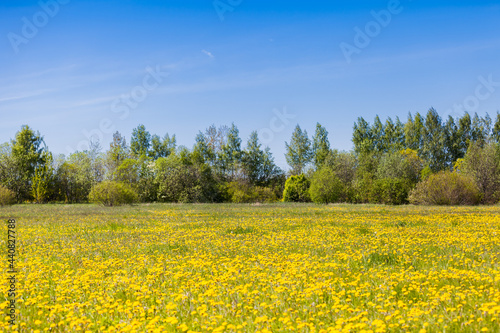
(110, 193)
(127, 172)
(7, 197)
(325, 187)
(298, 152)
(42, 181)
(320, 146)
(230, 155)
(241, 192)
(482, 163)
(258, 165)
(389, 158)
(392, 191)
(162, 147)
(117, 153)
(403, 165)
(179, 180)
(297, 189)
(446, 188)
(76, 176)
(141, 141)
(28, 153)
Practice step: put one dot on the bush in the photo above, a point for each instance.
(179, 181)
(110, 193)
(325, 187)
(239, 192)
(296, 189)
(391, 191)
(7, 197)
(482, 164)
(362, 188)
(446, 188)
(400, 165)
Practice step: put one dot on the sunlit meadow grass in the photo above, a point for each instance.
(244, 268)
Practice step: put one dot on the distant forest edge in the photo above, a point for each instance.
(426, 160)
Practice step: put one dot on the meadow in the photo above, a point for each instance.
(249, 268)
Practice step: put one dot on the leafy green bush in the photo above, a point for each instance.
(446, 188)
(392, 191)
(239, 192)
(110, 193)
(297, 189)
(482, 164)
(180, 181)
(7, 197)
(325, 187)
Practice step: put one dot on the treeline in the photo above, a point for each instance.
(423, 161)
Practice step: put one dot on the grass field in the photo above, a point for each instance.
(244, 268)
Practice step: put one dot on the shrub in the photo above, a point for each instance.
(110, 193)
(482, 164)
(264, 194)
(361, 189)
(296, 189)
(391, 191)
(446, 188)
(180, 181)
(7, 197)
(403, 165)
(239, 192)
(325, 187)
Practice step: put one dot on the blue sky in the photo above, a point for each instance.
(68, 68)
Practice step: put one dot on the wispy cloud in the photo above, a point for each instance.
(208, 53)
(25, 96)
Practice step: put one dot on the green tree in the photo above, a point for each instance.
(414, 129)
(77, 173)
(298, 152)
(162, 147)
(28, 149)
(389, 138)
(297, 189)
(464, 133)
(257, 164)
(378, 134)
(230, 154)
(325, 187)
(495, 134)
(321, 146)
(362, 137)
(479, 130)
(179, 180)
(202, 152)
(128, 172)
(10, 174)
(42, 180)
(482, 163)
(452, 142)
(433, 149)
(344, 165)
(117, 153)
(140, 142)
(399, 140)
(400, 165)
